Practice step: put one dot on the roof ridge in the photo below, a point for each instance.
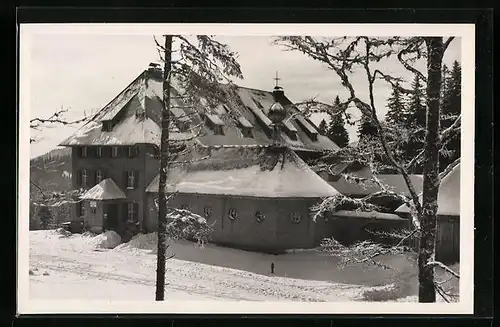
(119, 93)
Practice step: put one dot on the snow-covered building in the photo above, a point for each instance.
(256, 197)
(118, 148)
(448, 227)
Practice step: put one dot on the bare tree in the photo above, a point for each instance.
(198, 70)
(56, 119)
(362, 54)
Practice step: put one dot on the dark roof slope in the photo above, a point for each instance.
(241, 120)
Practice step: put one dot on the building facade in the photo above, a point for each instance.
(120, 145)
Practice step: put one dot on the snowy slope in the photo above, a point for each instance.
(75, 268)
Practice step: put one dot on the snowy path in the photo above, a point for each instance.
(76, 270)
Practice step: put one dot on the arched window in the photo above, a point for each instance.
(259, 216)
(232, 214)
(295, 217)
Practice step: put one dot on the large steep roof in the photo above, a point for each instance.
(135, 114)
(256, 171)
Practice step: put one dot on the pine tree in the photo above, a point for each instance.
(451, 108)
(396, 113)
(45, 216)
(336, 130)
(322, 127)
(366, 128)
(415, 122)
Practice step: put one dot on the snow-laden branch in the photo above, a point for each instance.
(433, 264)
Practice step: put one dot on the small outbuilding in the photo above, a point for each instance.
(448, 231)
(102, 207)
(256, 197)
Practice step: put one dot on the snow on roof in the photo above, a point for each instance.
(105, 190)
(393, 182)
(448, 195)
(215, 120)
(114, 106)
(288, 124)
(248, 171)
(143, 95)
(244, 122)
(132, 130)
(375, 215)
(310, 129)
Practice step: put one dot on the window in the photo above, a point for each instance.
(259, 216)
(98, 152)
(84, 178)
(93, 207)
(295, 217)
(130, 180)
(115, 153)
(232, 214)
(98, 176)
(83, 152)
(80, 207)
(218, 130)
(132, 151)
(132, 211)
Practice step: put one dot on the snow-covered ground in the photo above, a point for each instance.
(78, 267)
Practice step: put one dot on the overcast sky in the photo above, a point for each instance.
(84, 72)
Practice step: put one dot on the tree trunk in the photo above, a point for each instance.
(164, 157)
(426, 292)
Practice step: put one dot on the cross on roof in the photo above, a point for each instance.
(276, 78)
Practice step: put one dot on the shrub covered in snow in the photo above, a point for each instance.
(107, 240)
(63, 233)
(183, 224)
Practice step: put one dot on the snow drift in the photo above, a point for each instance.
(107, 240)
(141, 242)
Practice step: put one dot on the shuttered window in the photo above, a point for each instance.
(80, 209)
(115, 152)
(131, 179)
(98, 152)
(132, 211)
(84, 179)
(98, 176)
(83, 152)
(132, 151)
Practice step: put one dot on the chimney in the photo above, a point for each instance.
(155, 71)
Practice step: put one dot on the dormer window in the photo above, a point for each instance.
(289, 129)
(107, 125)
(245, 126)
(216, 124)
(257, 103)
(308, 128)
